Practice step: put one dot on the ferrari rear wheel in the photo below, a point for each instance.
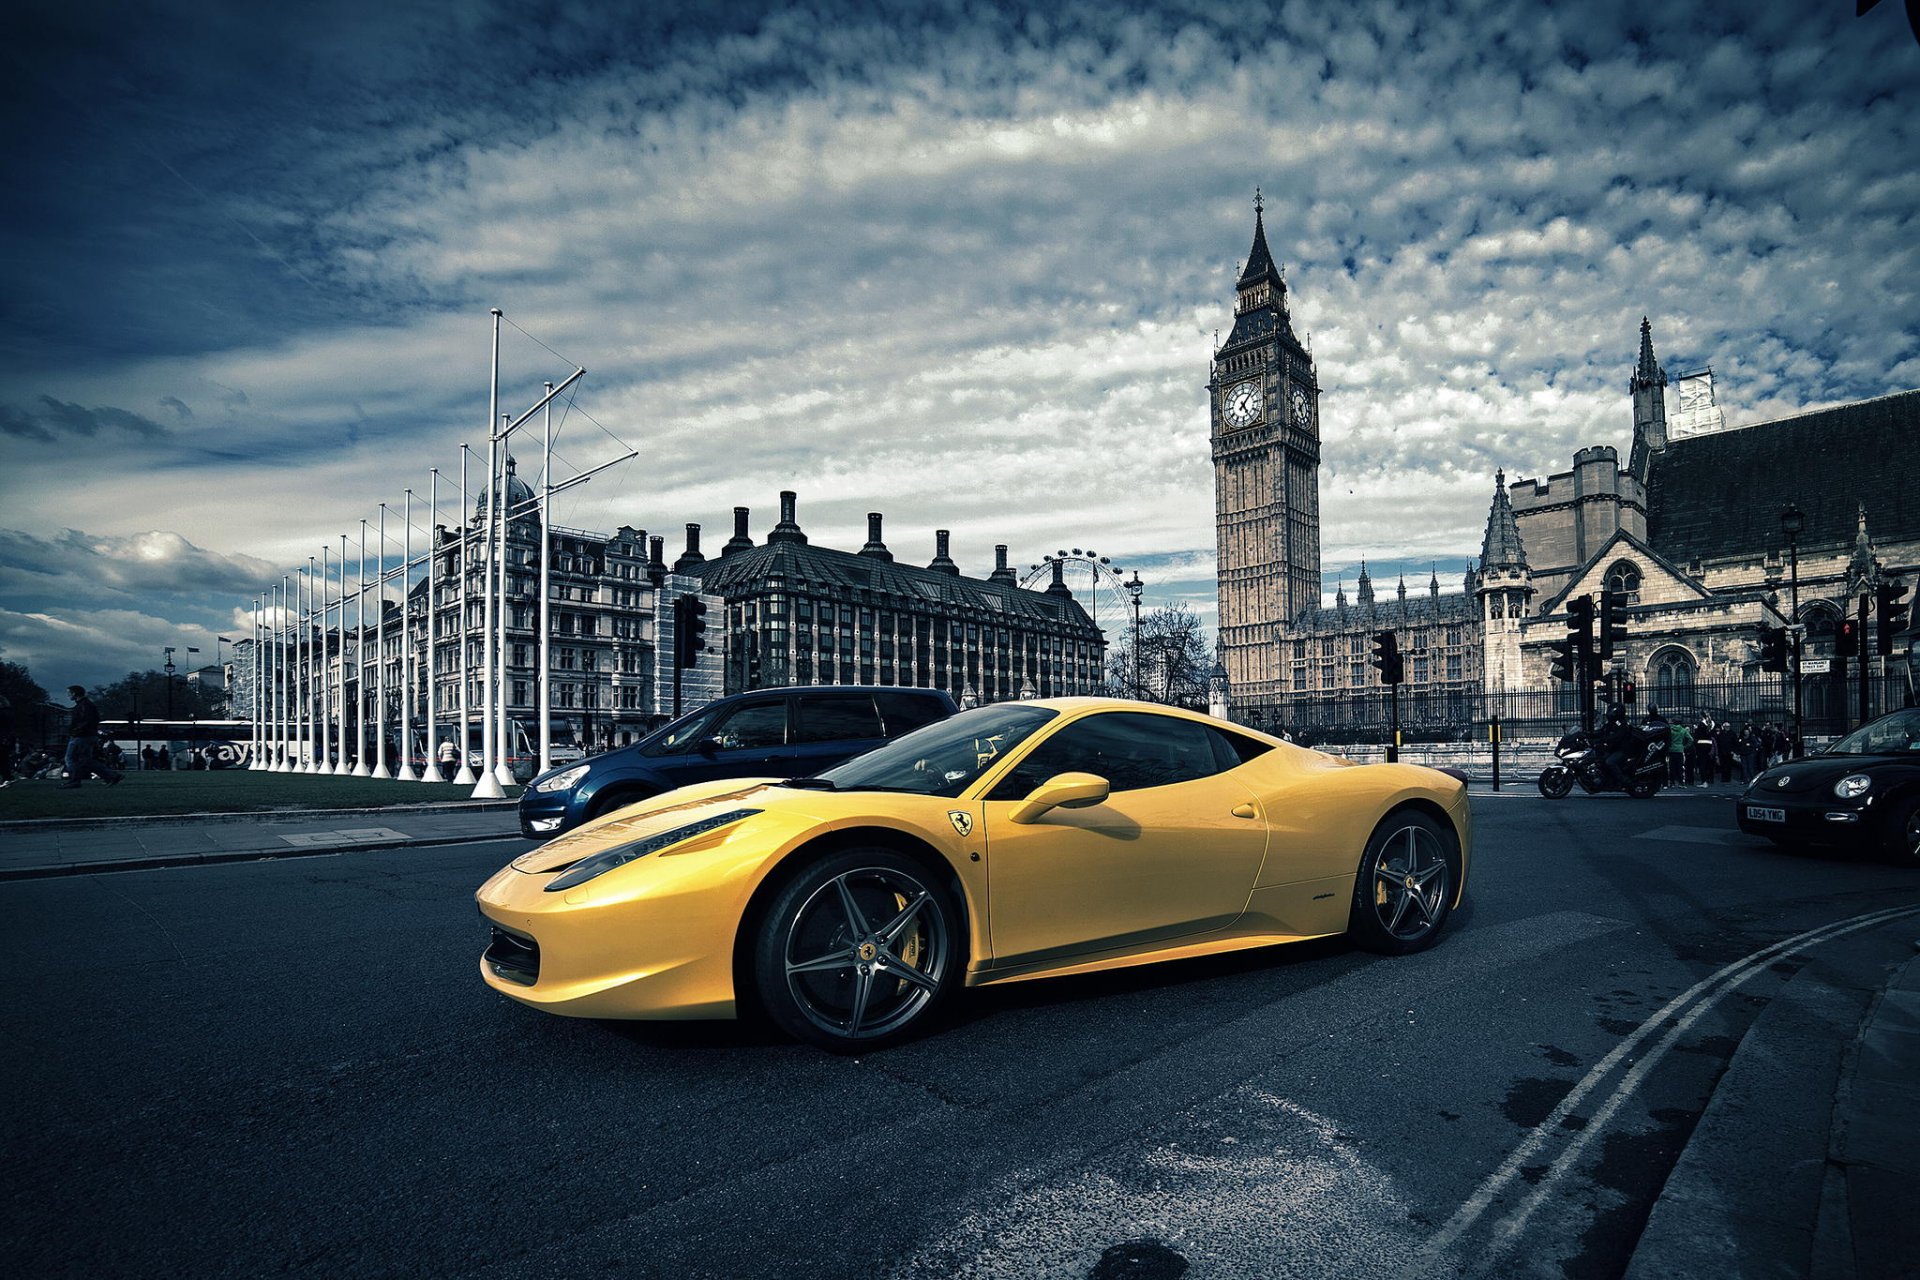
(858, 951)
(1405, 888)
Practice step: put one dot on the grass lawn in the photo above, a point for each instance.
(217, 791)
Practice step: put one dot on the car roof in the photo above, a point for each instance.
(1079, 706)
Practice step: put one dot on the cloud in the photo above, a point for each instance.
(83, 566)
(965, 270)
(52, 420)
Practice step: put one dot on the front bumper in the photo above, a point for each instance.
(641, 942)
(1814, 818)
(546, 814)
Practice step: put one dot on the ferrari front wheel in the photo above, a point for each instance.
(858, 950)
(1405, 888)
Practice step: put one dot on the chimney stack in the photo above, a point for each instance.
(788, 530)
(942, 562)
(875, 547)
(1001, 571)
(741, 539)
(691, 557)
(657, 559)
(1058, 587)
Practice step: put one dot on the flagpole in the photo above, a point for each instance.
(324, 736)
(340, 765)
(253, 691)
(405, 772)
(487, 787)
(430, 765)
(463, 776)
(306, 670)
(380, 769)
(543, 675)
(283, 751)
(502, 770)
(360, 769)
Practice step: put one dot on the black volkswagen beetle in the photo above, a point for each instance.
(1863, 792)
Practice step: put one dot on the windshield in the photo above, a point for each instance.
(673, 739)
(942, 759)
(1897, 734)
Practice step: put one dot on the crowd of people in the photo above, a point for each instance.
(1707, 750)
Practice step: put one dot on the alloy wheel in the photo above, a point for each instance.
(1410, 883)
(866, 952)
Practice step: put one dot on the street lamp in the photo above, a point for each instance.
(1134, 587)
(1792, 522)
(168, 665)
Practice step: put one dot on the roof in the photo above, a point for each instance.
(1386, 611)
(745, 573)
(1502, 548)
(1719, 495)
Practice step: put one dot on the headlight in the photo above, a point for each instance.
(621, 854)
(1853, 786)
(565, 780)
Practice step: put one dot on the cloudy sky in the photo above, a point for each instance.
(962, 264)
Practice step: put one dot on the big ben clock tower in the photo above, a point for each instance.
(1265, 404)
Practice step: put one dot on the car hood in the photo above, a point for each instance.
(662, 813)
(1812, 774)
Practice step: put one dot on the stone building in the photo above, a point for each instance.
(1689, 527)
(800, 613)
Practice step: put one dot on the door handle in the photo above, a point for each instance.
(1243, 811)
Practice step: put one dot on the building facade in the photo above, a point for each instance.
(1689, 527)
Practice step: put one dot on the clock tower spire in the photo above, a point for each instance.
(1264, 399)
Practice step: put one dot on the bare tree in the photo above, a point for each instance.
(1175, 659)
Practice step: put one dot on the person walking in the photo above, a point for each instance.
(1726, 747)
(83, 743)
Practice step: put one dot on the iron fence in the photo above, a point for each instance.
(1462, 714)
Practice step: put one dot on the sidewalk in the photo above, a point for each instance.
(1807, 1156)
(80, 846)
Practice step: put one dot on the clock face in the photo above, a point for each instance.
(1241, 404)
(1300, 406)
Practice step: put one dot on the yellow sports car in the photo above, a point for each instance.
(1014, 841)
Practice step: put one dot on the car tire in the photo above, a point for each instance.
(859, 950)
(1902, 841)
(1405, 886)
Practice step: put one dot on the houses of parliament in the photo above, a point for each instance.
(1689, 526)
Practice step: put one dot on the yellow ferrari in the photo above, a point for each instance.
(1014, 841)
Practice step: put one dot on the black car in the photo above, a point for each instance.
(1863, 792)
(767, 733)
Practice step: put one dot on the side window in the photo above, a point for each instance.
(1132, 750)
(1235, 749)
(905, 712)
(757, 724)
(836, 717)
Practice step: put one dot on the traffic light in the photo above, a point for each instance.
(1629, 691)
(1386, 658)
(1613, 621)
(1773, 648)
(1890, 601)
(1564, 659)
(690, 630)
(1846, 639)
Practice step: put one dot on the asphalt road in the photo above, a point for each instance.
(293, 1067)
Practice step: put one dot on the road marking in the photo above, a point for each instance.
(349, 835)
(1695, 835)
(1702, 996)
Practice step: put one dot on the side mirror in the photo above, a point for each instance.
(1062, 791)
(707, 746)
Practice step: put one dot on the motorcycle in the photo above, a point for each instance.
(1578, 758)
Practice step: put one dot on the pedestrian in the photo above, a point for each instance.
(163, 759)
(1679, 747)
(83, 743)
(1725, 747)
(1703, 751)
(1750, 752)
(6, 760)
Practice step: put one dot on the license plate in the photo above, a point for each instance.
(1766, 815)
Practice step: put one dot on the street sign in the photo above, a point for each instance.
(1817, 667)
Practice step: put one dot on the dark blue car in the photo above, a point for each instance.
(768, 733)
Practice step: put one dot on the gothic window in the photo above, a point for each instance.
(1673, 673)
(1499, 606)
(1625, 577)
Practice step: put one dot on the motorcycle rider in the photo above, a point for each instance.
(1618, 743)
